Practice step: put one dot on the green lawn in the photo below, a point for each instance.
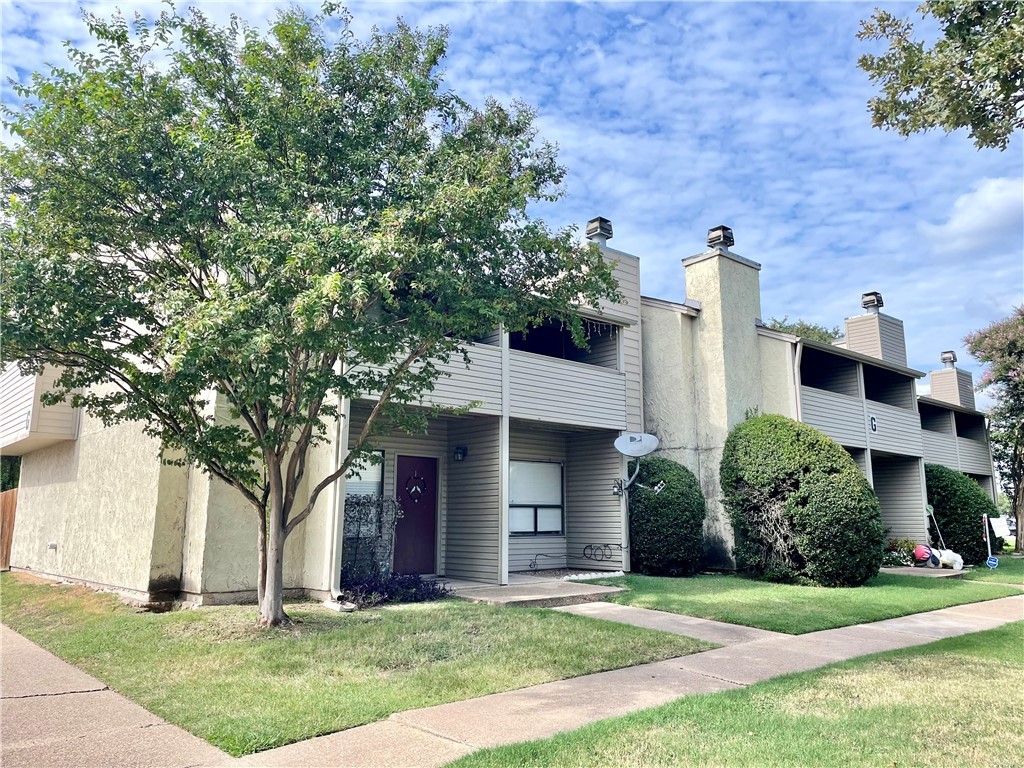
(956, 702)
(1010, 571)
(243, 689)
(793, 609)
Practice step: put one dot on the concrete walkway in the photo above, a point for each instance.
(53, 714)
(106, 729)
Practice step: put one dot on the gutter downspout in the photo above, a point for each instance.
(796, 379)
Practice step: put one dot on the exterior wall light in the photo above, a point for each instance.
(461, 452)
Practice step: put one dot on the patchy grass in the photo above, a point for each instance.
(798, 609)
(1010, 571)
(245, 689)
(951, 703)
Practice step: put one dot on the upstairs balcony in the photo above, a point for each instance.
(27, 425)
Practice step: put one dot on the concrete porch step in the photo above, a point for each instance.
(542, 594)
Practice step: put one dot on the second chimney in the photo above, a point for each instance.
(951, 384)
(876, 334)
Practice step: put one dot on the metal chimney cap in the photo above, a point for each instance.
(872, 300)
(720, 236)
(599, 227)
(948, 358)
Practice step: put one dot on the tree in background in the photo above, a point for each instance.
(220, 233)
(970, 78)
(804, 329)
(10, 472)
(1001, 347)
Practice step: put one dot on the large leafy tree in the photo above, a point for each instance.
(1001, 347)
(972, 76)
(204, 216)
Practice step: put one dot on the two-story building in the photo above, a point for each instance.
(710, 362)
(526, 479)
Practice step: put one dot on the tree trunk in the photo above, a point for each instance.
(272, 602)
(1018, 510)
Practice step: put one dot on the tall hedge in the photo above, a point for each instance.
(800, 508)
(959, 503)
(666, 528)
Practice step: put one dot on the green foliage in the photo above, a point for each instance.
(1001, 346)
(898, 553)
(805, 329)
(969, 78)
(959, 503)
(666, 528)
(800, 507)
(10, 472)
(201, 214)
(368, 590)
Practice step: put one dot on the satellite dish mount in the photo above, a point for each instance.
(633, 445)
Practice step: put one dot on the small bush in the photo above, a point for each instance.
(800, 508)
(959, 503)
(666, 527)
(367, 590)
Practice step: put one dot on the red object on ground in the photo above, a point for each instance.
(922, 553)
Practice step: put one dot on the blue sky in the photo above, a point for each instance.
(675, 117)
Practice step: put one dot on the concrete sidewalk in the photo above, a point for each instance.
(55, 715)
(435, 735)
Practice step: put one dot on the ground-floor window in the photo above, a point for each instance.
(368, 481)
(535, 500)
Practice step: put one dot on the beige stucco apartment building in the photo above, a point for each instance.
(529, 478)
(710, 362)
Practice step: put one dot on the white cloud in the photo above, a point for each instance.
(675, 117)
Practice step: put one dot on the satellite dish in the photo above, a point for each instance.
(636, 444)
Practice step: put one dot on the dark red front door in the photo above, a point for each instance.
(415, 532)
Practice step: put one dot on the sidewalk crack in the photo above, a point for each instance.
(55, 693)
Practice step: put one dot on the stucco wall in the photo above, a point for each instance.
(97, 498)
(670, 408)
(727, 375)
(777, 376)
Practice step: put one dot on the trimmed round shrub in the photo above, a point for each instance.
(800, 508)
(666, 528)
(959, 503)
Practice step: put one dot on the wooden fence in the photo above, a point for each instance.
(8, 503)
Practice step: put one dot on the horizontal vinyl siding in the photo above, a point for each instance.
(898, 430)
(61, 420)
(939, 449)
(604, 348)
(480, 382)
(838, 416)
(894, 345)
(627, 273)
(633, 369)
(593, 513)
(897, 482)
(974, 456)
(16, 397)
(536, 445)
(862, 335)
(546, 389)
(860, 458)
(474, 499)
(433, 443)
(831, 373)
